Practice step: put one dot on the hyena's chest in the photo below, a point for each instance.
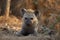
(29, 29)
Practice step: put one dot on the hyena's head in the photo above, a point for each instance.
(30, 16)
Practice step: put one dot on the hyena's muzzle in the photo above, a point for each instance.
(28, 21)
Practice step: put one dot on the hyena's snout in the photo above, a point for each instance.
(28, 21)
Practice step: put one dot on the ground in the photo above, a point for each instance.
(4, 35)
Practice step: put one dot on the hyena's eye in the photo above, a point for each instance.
(26, 18)
(31, 18)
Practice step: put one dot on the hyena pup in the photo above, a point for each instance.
(30, 23)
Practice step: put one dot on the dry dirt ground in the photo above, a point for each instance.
(6, 35)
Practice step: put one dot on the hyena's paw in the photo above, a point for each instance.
(18, 34)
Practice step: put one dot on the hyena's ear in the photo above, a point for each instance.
(23, 11)
(36, 12)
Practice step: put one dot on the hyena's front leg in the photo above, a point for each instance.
(34, 34)
(19, 33)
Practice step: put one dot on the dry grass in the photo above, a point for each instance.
(12, 22)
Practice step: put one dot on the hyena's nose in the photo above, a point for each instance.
(28, 22)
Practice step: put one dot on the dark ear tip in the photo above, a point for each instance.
(36, 12)
(22, 10)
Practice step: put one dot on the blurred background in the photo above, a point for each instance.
(11, 15)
